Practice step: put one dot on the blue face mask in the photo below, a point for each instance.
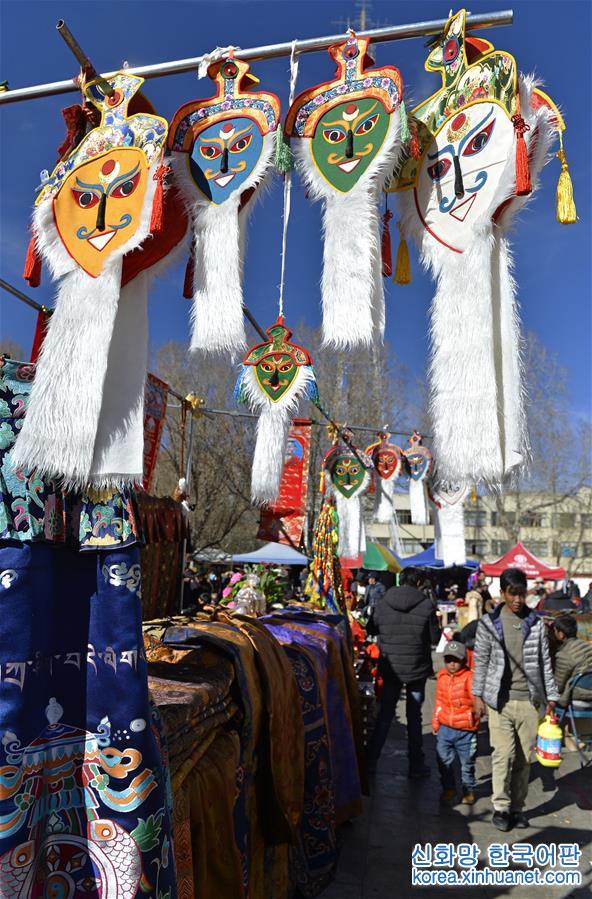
(224, 156)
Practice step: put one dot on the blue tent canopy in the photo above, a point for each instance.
(272, 554)
(427, 559)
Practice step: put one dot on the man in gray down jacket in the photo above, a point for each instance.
(405, 621)
(513, 677)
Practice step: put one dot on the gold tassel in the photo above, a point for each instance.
(402, 267)
(566, 208)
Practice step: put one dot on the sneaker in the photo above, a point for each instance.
(519, 820)
(501, 820)
(468, 797)
(448, 797)
(419, 773)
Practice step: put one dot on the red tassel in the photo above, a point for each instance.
(157, 217)
(32, 270)
(188, 288)
(387, 256)
(523, 184)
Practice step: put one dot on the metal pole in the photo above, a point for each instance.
(23, 297)
(82, 58)
(270, 51)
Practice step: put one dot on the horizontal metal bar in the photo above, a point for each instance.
(23, 297)
(269, 51)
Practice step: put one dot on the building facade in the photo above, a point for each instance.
(555, 528)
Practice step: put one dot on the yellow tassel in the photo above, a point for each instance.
(566, 208)
(402, 267)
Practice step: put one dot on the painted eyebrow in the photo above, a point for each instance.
(217, 140)
(362, 115)
(450, 149)
(98, 187)
(125, 177)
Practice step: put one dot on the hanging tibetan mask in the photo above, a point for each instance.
(222, 149)
(347, 477)
(418, 466)
(480, 144)
(347, 142)
(274, 376)
(388, 462)
(84, 422)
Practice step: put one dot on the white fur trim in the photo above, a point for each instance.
(384, 489)
(449, 528)
(351, 287)
(418, 502)
(217, 312)
(119, 445)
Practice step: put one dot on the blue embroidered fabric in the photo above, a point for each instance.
(85, 804)
(32, 509)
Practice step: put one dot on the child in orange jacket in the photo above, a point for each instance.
(455, 724)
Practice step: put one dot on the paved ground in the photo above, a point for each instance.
(376, 848)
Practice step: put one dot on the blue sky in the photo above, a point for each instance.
(551, 39)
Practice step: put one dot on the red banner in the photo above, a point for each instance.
(283, 522)
(155, 404)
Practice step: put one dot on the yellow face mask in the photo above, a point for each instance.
(99, 205)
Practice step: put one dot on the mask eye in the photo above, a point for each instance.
(240, 145)
(286, 367)
(354, 469)
(340, 470)
(479, 141)
(334, 135)
(267, 366)
(85, 198)
(439, 169)
(367, 125)
(127, 188)
(450, 51)
(210, 152)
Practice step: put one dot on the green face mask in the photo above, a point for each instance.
(346, 140)
(347, 475)
(275, 373)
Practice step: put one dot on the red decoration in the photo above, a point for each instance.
(283, 521)
(157, 218)
(387, 256)
(43, 317)
(523, 184)
(32, 269)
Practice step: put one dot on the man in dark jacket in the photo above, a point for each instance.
(374, 592)
(406, 624)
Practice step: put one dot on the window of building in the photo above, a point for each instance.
(566, 549)
(538, 547)
(565, 520)
(411, 546)
(475, 519)
(587, 520)
(532, 520)
(499, 547)
(587, 550)
(475, 547)
(502, 519)
(404, 516)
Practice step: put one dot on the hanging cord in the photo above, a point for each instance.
(294, 62)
